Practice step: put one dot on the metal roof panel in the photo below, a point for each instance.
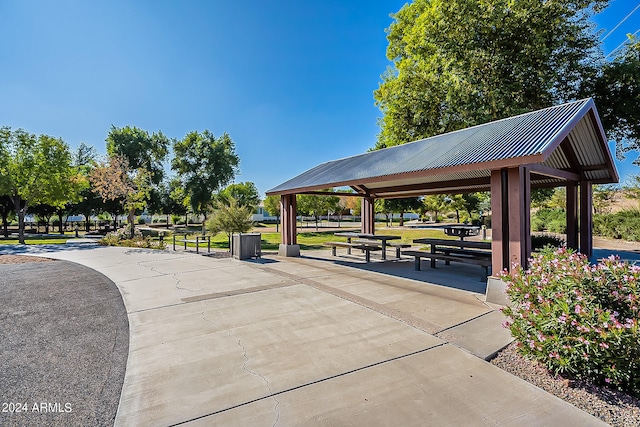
(519, 137)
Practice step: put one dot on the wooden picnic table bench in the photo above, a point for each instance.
(199, 240)
(366, 236)
(367, 248)
(454, 250)
(393, 245)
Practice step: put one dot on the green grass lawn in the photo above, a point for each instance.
(308, 240)
(40, 240)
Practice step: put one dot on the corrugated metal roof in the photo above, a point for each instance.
(528, 138)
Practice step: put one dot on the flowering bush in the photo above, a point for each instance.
(122, 238)
(578, 319)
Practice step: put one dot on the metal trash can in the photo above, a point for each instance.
(246, 245)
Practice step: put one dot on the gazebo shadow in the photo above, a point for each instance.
(458, 276)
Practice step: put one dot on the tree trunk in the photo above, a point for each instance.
(5, 224)
(16, 206)
(401, 219)
(457, 216)
(131, 218)
(60, 214)
(204, 225)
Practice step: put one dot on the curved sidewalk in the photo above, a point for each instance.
(309, 341)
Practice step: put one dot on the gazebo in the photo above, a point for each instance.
(564, 145)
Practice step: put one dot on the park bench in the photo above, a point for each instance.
(367, 248)
(398, 246)
(480, 258)
(393, 245)
(199, 240)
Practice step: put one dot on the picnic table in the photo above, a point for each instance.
(368, 237)
(461, 231)
(478, 253)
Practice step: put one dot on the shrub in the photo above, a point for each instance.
(578, 319)
(121, 238)
(540, 241)
(551, 220)
(624, 224)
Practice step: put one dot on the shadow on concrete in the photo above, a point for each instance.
(630, 256)
(18, 249)
(456, 275)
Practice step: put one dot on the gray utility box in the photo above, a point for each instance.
(245, 246)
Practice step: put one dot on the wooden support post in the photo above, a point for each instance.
(586, 218)
(519, 216)
(288, 239)
(368, 215)
(572, 215)
(499, 223)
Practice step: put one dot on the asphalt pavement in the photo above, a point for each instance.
(64, 342)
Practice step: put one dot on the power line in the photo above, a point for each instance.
(620, 23)
(622, 44)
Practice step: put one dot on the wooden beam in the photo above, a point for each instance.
(360, 189)
(484, 181)
(541, 169)
(331, 193)
(603, 144)
(568, 152)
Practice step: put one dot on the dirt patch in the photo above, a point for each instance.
(21, 259)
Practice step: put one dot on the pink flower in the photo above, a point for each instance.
(604, 345)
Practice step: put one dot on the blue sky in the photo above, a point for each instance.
(291, 81)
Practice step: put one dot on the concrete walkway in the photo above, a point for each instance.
(311, 341)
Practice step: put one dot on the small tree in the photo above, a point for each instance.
(230, 218)
(44, 212)
(117, 181)
(603, 196)
(272, 205)
(316, 205)
(403, 205)
(435, 204)
(632, 189)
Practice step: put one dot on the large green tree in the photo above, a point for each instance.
(616, 91)
(458, 63)
(204, 164)
(141, 149)
(35, 170)
(272, 206)
(244, 193)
